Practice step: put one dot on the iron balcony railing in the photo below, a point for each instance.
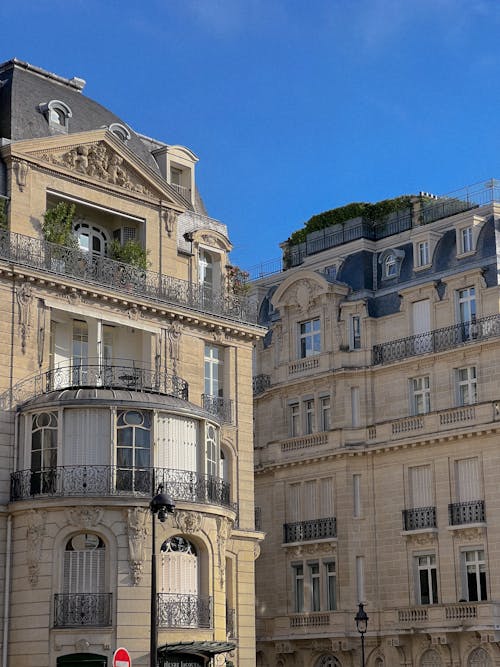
(218, 406)
(176, 610)
(94, 480)
(315, 529)
(437, 340)
(124, 278)
(419, 518)
(471, 511)
(260, 383)
(115, 374)
(82, 609)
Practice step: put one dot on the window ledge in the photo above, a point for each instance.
(303, 544)
(422, 267)
(419, 531)
(479, 527)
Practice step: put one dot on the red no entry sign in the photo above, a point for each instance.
(121, 658)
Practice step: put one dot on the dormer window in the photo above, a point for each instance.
(391, 261)
(120, 131)
(57, 114)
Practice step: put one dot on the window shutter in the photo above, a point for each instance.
(294, 502)
(327, 500)
(310, 501)
(421, 495)
(467, 479)
(177, 440)
(87, 434)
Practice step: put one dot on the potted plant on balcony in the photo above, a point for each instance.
(133, 254)
(237, 280)
(57, 228)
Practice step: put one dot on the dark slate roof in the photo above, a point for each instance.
(24, 87)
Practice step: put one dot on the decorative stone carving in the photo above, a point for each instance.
(74, 298)
(219, 336)
(319, 548)
(174, 337)
(34, 537)
(99, 161)
(24, 295)
(40, 336)
(212, 241)
(224, 528)
(84, 517)
(188, 522)
(137, 530)
(133, 313)
(421, 539)
(469, 534)
(284, 647)
(21, 169)
(169, 218)
(82, 645)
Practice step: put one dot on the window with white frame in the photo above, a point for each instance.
(91, 238)
(466, 383)
(120, 131)
(423, 253)
(390, 266)
(325, 406)
(420, 487)
(214, 365)
(309, 338)
(212, 454)
(294, 417)
(391, 261)
(84, 578)
(466, 306)
(420, 395)
(355, 332)
(133, 450)
(298, 587)
(44, 426)
(57, 114)
(309, 416)
(474, 575)
(427, 590)
(180, 576)
(467, 239)
(315, 585)
(331, 585)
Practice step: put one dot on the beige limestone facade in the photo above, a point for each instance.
(377, 442)
(117, 382)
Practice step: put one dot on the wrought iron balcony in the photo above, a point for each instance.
(221, 407)
(315, 529)
(471, 511)
(176, 610)
(78, 609)
(437, 340)
(419, 518)
(119, 277)
(117, 374)
(261, 383)
(92, 481)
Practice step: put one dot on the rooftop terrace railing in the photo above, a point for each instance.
(123, 278)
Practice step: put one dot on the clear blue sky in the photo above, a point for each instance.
(293, 106)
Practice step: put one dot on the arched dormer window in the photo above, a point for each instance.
(120, 131)
(391, 260)
(57, 114)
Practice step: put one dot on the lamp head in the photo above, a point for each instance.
(361, 619)
(162, 505)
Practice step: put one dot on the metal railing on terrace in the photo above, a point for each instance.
(77, 609)
(437, 340)
(314, 529)
(471, 511)
(176, 610)
(219, 406)
(107, 480)
(123, 278)
(419, 518)
(115, 374)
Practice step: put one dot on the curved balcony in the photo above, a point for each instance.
(177, 610)
(117, 374)
(91, 481)
(77, 609)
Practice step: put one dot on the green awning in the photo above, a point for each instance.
(206, 649)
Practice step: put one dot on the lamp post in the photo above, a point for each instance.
(361, 619)
(160, 505)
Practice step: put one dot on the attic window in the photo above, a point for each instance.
(391, 261)
(57, 114)
(120, 131)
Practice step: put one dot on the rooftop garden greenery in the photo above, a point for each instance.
(373, 213)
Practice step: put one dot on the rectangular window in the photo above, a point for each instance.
(325, 413)
(355, 332)
(427, 579)
(308, 417)
(315, 587)
(214, 371)
(420, 395)
(467, 310)
(474, 575)
(420, 482)
(360, 578)
(356, 492)
(466, 385)
(467, 480)
(423, 253)
(467, 239)
(309, 338)
(331, 586)
(298, 588)
(294, 419)
(355, 406)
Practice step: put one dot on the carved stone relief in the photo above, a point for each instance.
(188, 522)
(40, 338)
(34, 537)
(137, 521)
(224, 528)
(320, 548)
(21, 169)
(24, 295)
(84, 517)
(174, 333)
(169, 218)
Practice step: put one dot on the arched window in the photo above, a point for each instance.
(206, 270)
(43, 452)
(180, 602)
(57, 114)
(212, 459)
(133, 450)
(91, 238)
(120, 131)
(83, 600)
(430, 659)
(328, 661)
(479, 658)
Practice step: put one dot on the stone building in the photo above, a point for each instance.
(377, 418)
(126, 361)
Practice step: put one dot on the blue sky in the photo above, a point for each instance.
(293, 106)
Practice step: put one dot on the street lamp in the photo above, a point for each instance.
(361, 619)
(160, 505)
